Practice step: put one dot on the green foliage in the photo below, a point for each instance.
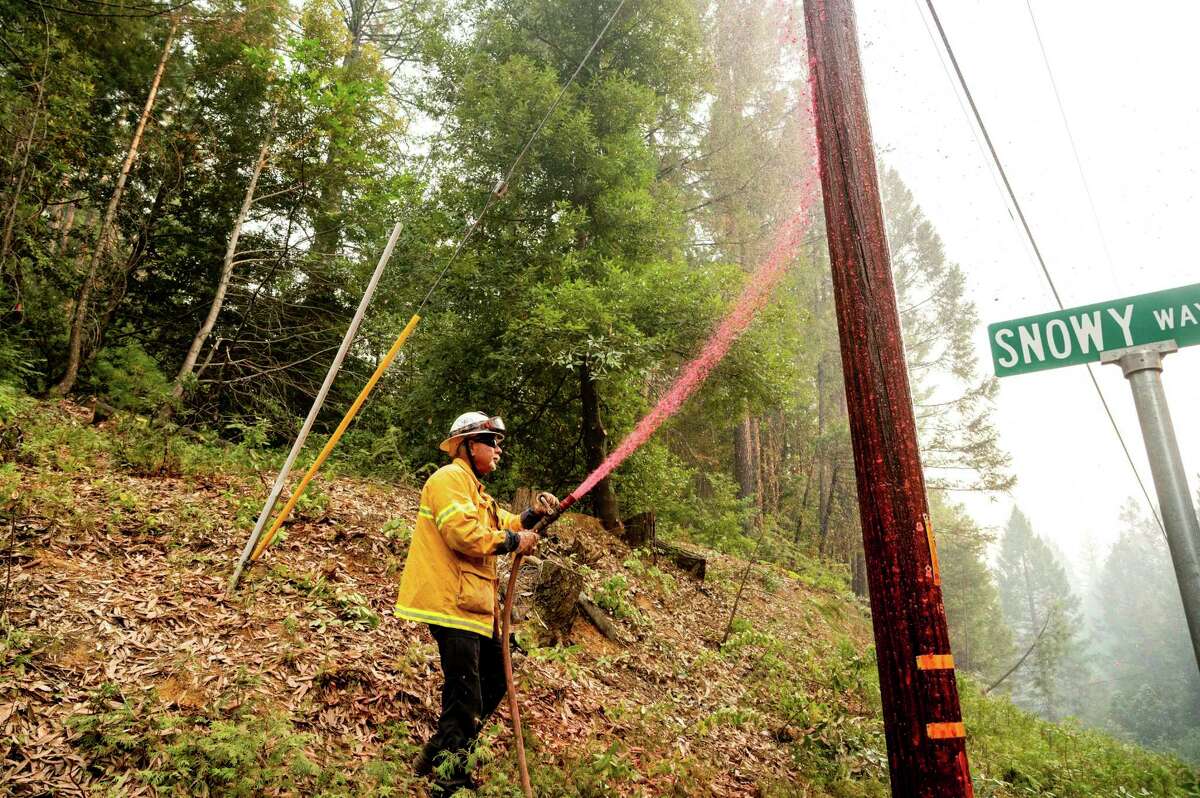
(1043, 612)
(114, 730)
(979, 634)
(660, 581)
(1155, 700)
(719, 521)
(52, 441)
(397, 531)
(953, 401)
(18, 646)
(13, 403)
(145, 448)
(328, 604)
(734, 717)
(1016, 754)
(613, 596)
(242, 757)
(129, 379)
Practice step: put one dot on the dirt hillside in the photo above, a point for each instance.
(118, 601)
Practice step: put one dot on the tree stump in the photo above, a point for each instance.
(691, 563)
(526, 580)
(555, 598)
(547, 593)
(101, 411)
(521, 500)
(639, 530)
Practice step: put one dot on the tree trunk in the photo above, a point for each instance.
(214, 309)
(600, 620)
(819, 451)
(83, 298)
(756, 450)
(743, 456)
(68, 222)
(689, 562)
(771, 461)
(639, 530)
(745, 465)
(522, 499)
(826, 510)
(858, 574)
(595, 448)
(140, 245)
(556, 598)
(808, 479)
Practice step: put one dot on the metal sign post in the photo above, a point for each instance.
(1143, 368)
(1134, 332)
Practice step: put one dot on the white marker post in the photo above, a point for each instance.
(1142, 366)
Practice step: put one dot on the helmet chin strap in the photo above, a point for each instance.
(471, 458)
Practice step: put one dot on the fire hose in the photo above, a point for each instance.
(510, 597)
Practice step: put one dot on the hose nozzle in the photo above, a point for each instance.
(547, 520)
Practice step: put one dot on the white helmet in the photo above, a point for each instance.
(469, 424)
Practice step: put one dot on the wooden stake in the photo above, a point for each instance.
(922, 720)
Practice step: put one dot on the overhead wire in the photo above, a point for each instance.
(954, 89)
(1038, 252)
(1087, 189)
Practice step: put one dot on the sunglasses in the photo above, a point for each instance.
(486, 440)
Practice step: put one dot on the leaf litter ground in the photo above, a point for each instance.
(118, 589)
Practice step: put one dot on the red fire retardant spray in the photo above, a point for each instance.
(754, 296)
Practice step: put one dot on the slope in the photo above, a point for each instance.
(127, 670)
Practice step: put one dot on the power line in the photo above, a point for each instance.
(1087, 189)
(134, 11)
(1038, 252)
(967, 117)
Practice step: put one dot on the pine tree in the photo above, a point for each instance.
(1043, 612)
(979, 636)
(1148, 663)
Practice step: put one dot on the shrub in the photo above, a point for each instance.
(242, 757)
(613, 596)
(128, 378)
(145, 448)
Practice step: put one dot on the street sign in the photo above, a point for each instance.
(1079, 335)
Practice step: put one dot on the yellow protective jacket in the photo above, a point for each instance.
(449, 578)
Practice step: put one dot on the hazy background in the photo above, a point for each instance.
(1127, 83)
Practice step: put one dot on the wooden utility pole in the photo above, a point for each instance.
(922, 720)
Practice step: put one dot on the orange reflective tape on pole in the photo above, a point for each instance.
(334, 438)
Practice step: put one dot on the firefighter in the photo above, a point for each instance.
(449, 582)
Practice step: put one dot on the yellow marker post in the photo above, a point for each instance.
(334, 438)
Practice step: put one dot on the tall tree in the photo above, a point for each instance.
(755, 143)
(1036, 598)
(83, 299)
(1147, 668)
(960, 447)
(979, 636)
(560, 304)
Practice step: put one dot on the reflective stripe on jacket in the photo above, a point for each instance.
(449, 578)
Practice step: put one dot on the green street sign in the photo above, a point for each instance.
(1079, 335)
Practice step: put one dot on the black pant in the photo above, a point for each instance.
(474, 684)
